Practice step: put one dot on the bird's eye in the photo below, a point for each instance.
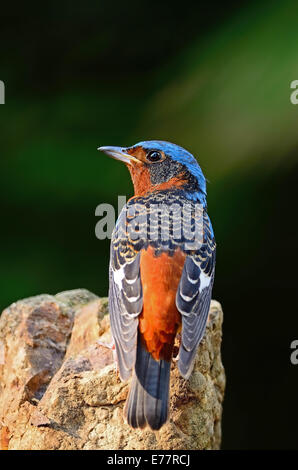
(154, 156)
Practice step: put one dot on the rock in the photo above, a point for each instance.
(59, 388)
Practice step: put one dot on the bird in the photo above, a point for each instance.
(159, 286)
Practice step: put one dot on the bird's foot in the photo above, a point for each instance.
(176, 358)
(176, 348)
(110, 345)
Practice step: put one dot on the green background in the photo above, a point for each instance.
(212, 78)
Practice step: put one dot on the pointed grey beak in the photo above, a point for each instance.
(119, 154)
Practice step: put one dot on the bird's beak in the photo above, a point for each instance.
(119, 154)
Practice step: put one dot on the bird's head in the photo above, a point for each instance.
(156, 165)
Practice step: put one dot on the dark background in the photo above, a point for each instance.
(212, 77)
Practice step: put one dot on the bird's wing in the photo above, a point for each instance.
(194, 296)
(125, 293)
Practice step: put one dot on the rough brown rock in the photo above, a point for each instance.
(59, 388)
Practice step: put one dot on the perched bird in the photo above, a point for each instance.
(159, 286)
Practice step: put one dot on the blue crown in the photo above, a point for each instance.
(178, 154)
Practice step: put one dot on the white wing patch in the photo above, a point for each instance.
(119, 275)
(204, 281)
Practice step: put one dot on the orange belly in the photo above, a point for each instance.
(160, 319)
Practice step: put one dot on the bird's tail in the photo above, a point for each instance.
(148, 398)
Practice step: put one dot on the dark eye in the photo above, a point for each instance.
(154, 156)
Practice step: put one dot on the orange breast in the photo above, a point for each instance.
(160, 319)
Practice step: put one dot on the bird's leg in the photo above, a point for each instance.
(176, 358)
